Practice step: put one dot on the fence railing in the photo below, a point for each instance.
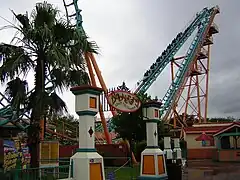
(116, 168)
(42, 173)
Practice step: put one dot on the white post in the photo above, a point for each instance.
(153, 164)
(167, 149)
(87, 163)
(177, 151)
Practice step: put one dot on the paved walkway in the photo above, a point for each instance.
(208, 170)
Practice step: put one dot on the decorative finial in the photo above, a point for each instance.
(123, 87)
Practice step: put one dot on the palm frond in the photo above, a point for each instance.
(16, 92)
(67, 78)
(44, 14)
(59, 79)
(56, 104)
(84, 44)
(23, 19)
(43, 40)
(14, 62)
(78, 77)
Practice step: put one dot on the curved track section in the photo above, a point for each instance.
(201, 23)
(74, 17)
(73, 14)
(168, 54)
(192, 52)
(22, 121)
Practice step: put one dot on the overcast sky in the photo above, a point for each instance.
(131, 34)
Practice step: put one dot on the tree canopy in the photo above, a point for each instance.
(54, 51)
(131, 126)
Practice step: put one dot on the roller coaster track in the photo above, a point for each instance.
(74, 19)
(169, 105)
(201, 23)
(192, 52)
(23, 120)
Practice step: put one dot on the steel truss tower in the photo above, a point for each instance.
(192, 99)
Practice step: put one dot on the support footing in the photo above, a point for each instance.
(153, 165)
(150, 178)
(88, 166)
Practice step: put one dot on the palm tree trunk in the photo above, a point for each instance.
(33, 142)
(37, 113)
(34, 152)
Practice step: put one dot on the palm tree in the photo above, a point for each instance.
(55, 51)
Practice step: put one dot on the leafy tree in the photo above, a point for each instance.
(131, 126)
(45, 44)
(221, 119)
(163, 130)
(17, 92)
(189, 120)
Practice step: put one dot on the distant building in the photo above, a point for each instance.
(213, 141)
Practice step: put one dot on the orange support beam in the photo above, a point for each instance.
(174, 106)
(114, 113)
(207, 83)
(198, 94)
(98, 72)
(90, 69)
(103, 85)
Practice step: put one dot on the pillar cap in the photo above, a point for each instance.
(84, 89)
(152, 103)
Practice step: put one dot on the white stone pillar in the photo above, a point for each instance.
(152, 138)
(167, 149)
(153, 164)
(87, 163)
(177, 151)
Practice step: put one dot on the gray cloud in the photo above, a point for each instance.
(131, 34)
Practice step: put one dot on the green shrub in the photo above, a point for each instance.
(161, 144)
(183, 144)
(139, 147)
(48, 177)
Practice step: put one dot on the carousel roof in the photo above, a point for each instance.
(204, 137)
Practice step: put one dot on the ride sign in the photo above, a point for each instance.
(124, 101)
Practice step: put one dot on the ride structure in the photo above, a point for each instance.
(187, 68)
(192, 97)
(204, 27)
(195, 100)
(90, 59)
(8, 114)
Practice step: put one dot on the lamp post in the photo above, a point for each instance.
(174, 168)
(153, 164)
(87, 164)
(167, 150)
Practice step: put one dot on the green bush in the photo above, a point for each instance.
(139, 147)
(48, 177)
(161, 144)
(183, 144)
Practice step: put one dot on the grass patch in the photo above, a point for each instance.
(123, 172)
